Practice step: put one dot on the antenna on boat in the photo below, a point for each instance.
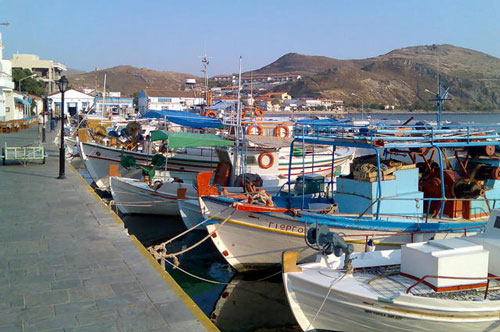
(205, 62)
(440, 95)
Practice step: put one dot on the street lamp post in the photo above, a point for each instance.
(62, 84)
(44, 114)
(362, 105)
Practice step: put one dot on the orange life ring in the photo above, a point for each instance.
(260, 131)
(261, 158)
(258, 112)
(277, 131)
(210, 113)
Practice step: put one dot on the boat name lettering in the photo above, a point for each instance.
(284, 227)
(383, 314)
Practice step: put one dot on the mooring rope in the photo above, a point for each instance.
(195, 276)
(324, 301)
(159, 251)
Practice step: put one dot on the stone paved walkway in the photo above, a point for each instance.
(67, 263)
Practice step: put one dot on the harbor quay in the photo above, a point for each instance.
(68, 264)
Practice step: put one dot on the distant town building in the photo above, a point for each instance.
(249, 78)
(6, 87)
(74, 102)
(313, 104)
(281, 96)
(167, 100)
(46, 70)
(256, 78)
(115, 103)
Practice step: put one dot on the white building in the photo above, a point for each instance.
(167, 100)
(6, 87)
(47, 71)
(74, 102)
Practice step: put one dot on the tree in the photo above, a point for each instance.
(135, 95)
(30, 85)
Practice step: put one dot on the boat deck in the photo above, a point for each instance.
(388, 283)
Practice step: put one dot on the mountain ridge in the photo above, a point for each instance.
(399, 77)
(129, 80)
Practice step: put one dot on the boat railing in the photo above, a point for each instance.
(422, 280)
(414, 236)
(429, 200)
(382, 135)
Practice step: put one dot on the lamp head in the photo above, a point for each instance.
(62, 84)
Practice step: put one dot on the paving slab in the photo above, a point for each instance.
(68, 264)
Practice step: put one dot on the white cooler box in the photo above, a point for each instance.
(449, 257)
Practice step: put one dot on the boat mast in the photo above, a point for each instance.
(440, 96)
(103, 99)
(238, 122)
(205, 62)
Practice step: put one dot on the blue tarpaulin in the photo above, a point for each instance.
(185, 119)
(322, 122)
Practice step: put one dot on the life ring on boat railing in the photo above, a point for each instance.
(261, 160)
(259, 129)
(258, 112)
(210, 113)
(277, 131)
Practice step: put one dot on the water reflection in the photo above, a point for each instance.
(236, 302)
(248, 305)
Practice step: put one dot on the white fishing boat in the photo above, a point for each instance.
(437, 285)
(98, 158)
(251, 236)
(134, 196)
(159, 192)
(189, 210)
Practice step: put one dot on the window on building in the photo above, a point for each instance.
(164, 100)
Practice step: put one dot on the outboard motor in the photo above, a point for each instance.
(248, 178)
(327, 242)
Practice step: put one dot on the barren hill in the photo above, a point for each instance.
(128, 79)
(399, 77)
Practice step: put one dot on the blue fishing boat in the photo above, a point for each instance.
(408, 183)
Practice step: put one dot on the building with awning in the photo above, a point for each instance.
(22, 107)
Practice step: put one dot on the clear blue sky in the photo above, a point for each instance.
(171, 35)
